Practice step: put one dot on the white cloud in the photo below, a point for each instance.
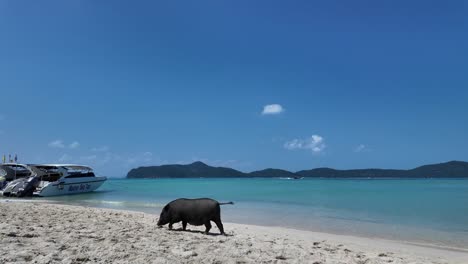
(65, 158)
(74, 145)
(101, 159)
(60, 144)
(362, 148)
(100, 149)
(147, 156)
(57, 144)
(315, 143)
(272, 109)
(131, 160)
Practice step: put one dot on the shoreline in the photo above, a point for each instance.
(363, 237)
(322, 247)
(420, 243)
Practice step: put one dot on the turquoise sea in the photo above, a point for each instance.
(433, 211)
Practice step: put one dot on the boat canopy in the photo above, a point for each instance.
(14, 165)
(65, 166)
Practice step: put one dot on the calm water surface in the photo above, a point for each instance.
(428, 210)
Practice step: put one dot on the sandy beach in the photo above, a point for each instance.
(50, 233)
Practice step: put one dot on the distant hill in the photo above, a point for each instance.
(195, 170)
(360, 173)
(275, 173)
(452, 169)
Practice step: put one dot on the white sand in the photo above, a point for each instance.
(51, 233)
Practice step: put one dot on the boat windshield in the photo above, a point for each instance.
(47, 173)
(80, 174)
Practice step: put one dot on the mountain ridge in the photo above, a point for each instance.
(198, 169)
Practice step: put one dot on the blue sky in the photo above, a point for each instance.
(346, 84)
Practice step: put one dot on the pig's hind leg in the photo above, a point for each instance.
(219, 224)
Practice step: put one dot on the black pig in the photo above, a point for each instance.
(193, 211)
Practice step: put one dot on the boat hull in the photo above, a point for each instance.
(71, 186)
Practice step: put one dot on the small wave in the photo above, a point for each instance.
(125, 203)
(110, 202)
(354, 219)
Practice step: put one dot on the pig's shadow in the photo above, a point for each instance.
(199, 232)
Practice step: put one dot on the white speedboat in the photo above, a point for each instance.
(65, 179)
(17, 180)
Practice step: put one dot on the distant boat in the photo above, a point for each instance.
(292, 178)
(65, 179)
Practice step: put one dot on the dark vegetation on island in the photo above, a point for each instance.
(452, 169)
